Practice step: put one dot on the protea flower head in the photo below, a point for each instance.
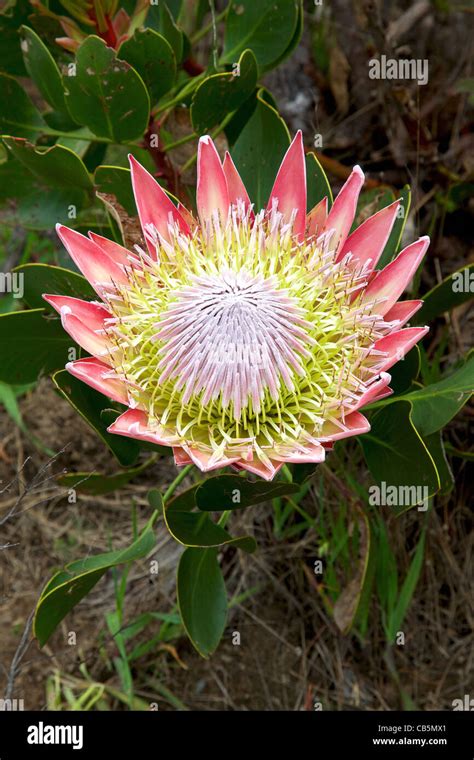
(247, 337)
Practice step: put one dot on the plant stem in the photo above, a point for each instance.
(178, 479)
(177, 143)
(222, 521)
(189, 87)
(205, 29)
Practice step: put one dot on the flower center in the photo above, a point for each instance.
(232, 335)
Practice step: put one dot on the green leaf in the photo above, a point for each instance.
(233, 492)
(221, 94)
(259, 149)
(161, 19)
(106, 94)
(348, 602)
(42, 68)
(202, 598)
(69, 586)
(268, 28)
(8, 398)
(44, 278)
(435, 446)
(317, 182)
(12, 15)
(153, 58)
(393, 243)
(456, 289)
(115, 180)
(396, 455)
(386, 574)
(29, 203)
(92, 406)
(408, 588)
(435, 405)
(20, 118)
(406, 371)
(196, 529)
(184, 501)
(97, 483)
(31, 344)
(57, 166)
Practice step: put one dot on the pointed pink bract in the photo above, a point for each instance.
(211, 193)
(289, 188)
(154, 206)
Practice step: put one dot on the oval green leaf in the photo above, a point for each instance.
(21, 118)
(196, 529)
(44, 278)
(106, 94)
(31, 344)
(57, 166)
(42, 68)
(221, 94)
(233, 492)
(202, 598)
(259, 149)
(267, 27)
(153, 57)
(396, 455)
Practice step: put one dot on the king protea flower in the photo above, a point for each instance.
(245, 337)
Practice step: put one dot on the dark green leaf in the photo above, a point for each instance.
(233, 492)
(453, 291)
(97, 483)
(56, 166)
(197, 529)
(92, 407)
(161, 19)
(43, 278)
(396, 455)
(221, 94)
(31, 344)
(317, 183)
(152, 56)
(406, 371)
(267, 27)
(435, 446)
(435, 405)
(12, 16)
(42, 68)
(20, 118)
(202, 598)
(106, 94)
(259, 149)
(29, 203)
(393, 243)
(114, 180)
